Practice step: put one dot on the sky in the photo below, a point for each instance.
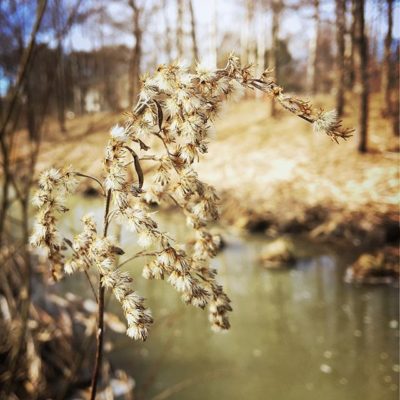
(231, 17)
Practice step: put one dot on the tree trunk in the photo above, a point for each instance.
(213, 56)
(396, 100)
(362, 67)
(193, 32)
(261, 48)
(134, 82)
(273, 54)
(261, 45)
(30, 111)
(312, 70)
(60, 69)
(340, 67)
(61, 88)
(244, 41)
(167, 43)
(351, 73)
(179, 29)
(387, 62)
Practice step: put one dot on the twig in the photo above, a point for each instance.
(149, 158)
(68, 242)
(137, 255)
(91, 286)
(93, 178)
(168, 152)
(174, 200)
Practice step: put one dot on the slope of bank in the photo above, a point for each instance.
(275, 175)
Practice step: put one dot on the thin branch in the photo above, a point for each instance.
(149, 158)
(68, 242)
(24, 67)
(174, 200)
(168, 152)
(165, 145)
(94, 179)
(100, 317)
(91, 286)
(137, 255)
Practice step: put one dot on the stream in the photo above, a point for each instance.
(296, 334)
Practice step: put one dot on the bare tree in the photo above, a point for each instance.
(23, 173)
(214, 35)
(136, 55)
(351, 69)
(193, 32)
(247, 55)
(276, 7)
(387, 62)
(261, 44)
(340, 64)
(60, 81)
(312, 68)
(362, 74)
(396, 97)
(6, 143)
(179, 28)
(167, 37)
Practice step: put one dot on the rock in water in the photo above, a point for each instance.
(278, 254)
(380, 267)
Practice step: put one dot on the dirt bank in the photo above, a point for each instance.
(275, 175)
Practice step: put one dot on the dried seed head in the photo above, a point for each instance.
(176, 107)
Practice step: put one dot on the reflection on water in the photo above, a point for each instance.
(297, 334)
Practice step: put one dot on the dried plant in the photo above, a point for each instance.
(177, 107)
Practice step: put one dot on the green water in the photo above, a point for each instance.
(296, 334)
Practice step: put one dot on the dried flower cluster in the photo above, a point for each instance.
(54, 186)
(176, 108)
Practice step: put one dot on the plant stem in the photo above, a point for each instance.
(100, 316)
(92, 178)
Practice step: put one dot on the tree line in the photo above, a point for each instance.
(343, 54)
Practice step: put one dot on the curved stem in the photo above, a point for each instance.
(164, 144)
(149, 158)
(137, 255)
(100, 317)
(167, 150)
(91, 286)
(93, 178)
(175, 201)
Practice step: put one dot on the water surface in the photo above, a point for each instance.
(296, 334)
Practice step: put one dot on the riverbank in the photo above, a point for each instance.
(274, 175)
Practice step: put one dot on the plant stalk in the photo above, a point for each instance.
(100, 316)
